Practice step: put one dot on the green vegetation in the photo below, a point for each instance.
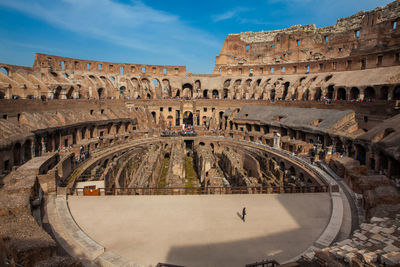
(191, 175)
(163, 177)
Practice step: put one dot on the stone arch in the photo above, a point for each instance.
(166, 88)
(157, 86)
(272, 95)
(215, 94)
(188, 118)
(205, 93)
(318, 94)
(226, 93)
(5, 71)
(285, 91)
(330, 91)
(227, 83)
(369, 93)
(187, 90)
(145, 86)
(341, 94)
(100, 93)
(122, 91)
(354, 93)
(135, 93)
(170, 120)
(2, 95)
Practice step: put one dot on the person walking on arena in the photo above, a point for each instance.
(244, 214)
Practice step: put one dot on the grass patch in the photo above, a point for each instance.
(163, 177)
(191, 179)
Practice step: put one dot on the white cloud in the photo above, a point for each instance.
(229, 14)
(133, 25)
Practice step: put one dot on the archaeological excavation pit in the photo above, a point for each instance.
(179, 200)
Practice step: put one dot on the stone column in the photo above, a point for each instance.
(43, 146)
(277, 140)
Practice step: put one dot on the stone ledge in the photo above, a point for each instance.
(89, 247)
(333, 227)
(110, 259)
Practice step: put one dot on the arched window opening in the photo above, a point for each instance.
(341, 94)
(285, 90)
(354, 93)
(4, 71)
(205, 94)
(330, 91)
(318, 94)
(100, 93)
(369, 93)
(215, 94)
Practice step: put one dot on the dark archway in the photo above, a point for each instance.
(215, 94)
(2, 95)
(330, 91)
(205, 94)
(272, 95)
(285, 90)
(100, 93)
(369, 93)
(354, 93)
(187, 90)
(188, 118)
(341, 94)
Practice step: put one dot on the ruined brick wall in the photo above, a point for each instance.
(364, 40)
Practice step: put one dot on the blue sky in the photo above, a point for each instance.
(174, 32)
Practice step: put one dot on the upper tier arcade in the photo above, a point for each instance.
(362, 41)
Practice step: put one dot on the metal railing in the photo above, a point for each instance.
(203, 190)
(168, 265)
(264, 263)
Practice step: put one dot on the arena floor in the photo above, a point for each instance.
(203, 230)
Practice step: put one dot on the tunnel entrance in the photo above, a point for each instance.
(188, 118)
(189, 144)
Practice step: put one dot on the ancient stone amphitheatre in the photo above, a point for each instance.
(116, 164)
